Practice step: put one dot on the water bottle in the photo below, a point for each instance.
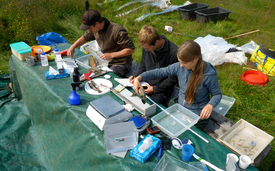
(57, 54)
(44, 59)
(58, 58)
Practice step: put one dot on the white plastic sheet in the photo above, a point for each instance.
(249, 47)
(214, 50)
(168, 9)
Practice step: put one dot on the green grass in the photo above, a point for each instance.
(24, 20)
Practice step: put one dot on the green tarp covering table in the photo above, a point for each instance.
(50, 134)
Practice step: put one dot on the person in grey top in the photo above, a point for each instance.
(197, 80)
(157, 52)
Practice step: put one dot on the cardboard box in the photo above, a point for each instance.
(20, 50)
(245, 139)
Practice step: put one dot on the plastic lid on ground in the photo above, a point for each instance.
(253, 77)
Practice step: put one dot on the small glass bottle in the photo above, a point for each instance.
(44, 59)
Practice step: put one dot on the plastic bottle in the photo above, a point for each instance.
(74, 98)
(57, 54)
(38, 54)
(58, 58)
(44, 59)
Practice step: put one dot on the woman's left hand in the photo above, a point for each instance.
(206, 111)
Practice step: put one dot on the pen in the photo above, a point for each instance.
(133, 75)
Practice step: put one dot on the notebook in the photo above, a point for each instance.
(107, 106)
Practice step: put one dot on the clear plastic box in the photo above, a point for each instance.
(224, 106)
(84, 61)
(120, 136)
(246, 139)
(196, 166)
(171, 163)
(172, 120)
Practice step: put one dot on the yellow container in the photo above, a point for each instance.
(20, 50)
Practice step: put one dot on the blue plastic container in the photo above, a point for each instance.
(187, 152)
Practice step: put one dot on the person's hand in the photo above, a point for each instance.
(106, 56)
(149, 89)
(206, 111)
(70, 52)
(137, 85)
(131, 79)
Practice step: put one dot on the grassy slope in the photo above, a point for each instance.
(253, 103)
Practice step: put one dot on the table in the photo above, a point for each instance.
(66, 139)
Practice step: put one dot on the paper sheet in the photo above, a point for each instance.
(125, 82)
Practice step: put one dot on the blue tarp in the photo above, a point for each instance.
(50, 38)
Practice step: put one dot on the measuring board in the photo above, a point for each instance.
(145, 109)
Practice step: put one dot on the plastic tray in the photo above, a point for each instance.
(173, 123)
(211, 14)
(171, 163)
(188, 11)
(84, 61)
(246, 139)
(224, 106)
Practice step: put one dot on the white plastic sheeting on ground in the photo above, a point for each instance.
(214, 50)
(162, 4)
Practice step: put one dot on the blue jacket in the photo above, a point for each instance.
(208, 86)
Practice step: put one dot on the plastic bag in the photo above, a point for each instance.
(50, 38)
(249, 47)
(213, 49)
(162, 5)
(236, 57)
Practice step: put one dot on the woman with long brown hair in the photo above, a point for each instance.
(197, 80)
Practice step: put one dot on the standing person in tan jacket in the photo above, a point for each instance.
(112, 38)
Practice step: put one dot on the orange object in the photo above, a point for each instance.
(33, 54)
(46, 49)
(253, 77)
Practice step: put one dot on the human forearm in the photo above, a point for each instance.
(79, 42)
(122, 53)
(76, 44)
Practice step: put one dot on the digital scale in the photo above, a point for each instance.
(105, 111)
